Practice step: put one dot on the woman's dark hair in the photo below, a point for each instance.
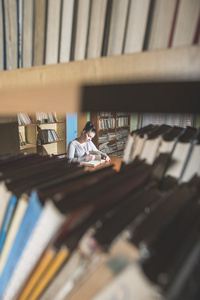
(89, 126)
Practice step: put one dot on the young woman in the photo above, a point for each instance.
(78, 149)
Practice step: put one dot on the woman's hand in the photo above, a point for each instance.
(90, 157)
(107, 158)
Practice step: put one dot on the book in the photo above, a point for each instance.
(92, 163)
(14, 227)
(96, 28)
(66, 30)
(30, 218)
(186, 24)
(99, 271)
(5, 195)
(11, 34)
(82, 23)
(136, 26)
(162, 24)
(52, 32)
(27, 38)
(39, 32)
(117, 27)
(141, 289)
(50, 220)
(7, 220)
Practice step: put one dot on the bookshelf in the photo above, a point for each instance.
(43, 133)
(27, 133)
(133, 104)
(112, 130)
(51, 136)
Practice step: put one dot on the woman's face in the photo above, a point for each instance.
(88, 136)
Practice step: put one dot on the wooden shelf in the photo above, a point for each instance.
(53, 142)
(27, 146)
(23, 90)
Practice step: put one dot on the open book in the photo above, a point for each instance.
(93, 163)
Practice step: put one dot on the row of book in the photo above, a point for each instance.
(48, 136)
(23, 118)
(80, 30)
(48, 117)
(122, 122)
(108, 123)
(132, 233)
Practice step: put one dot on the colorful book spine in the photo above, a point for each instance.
(29, 221)
(7, 220)
(48, 224)
(14, 226)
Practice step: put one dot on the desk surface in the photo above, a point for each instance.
(116, 161)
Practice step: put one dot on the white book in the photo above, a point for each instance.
(117, 27)
(177, 160)
(5, 195)
(13, 229)
(162, 24)
(92, 163)
(186, 23)
(150, 150)
(53, 32)
(66, 30)
(136, 26)
(128, 149)
(96, 30)
(81, 29)
(47, 226)
(139, 144)
(166, 146)
(27, 41)
(193, 165)
(11, 24)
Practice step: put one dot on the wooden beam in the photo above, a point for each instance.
(150, 97)
(58, 86)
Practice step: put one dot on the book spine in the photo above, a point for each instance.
(28, 223)
(7, 220)
(4, 199)
(14, 226)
